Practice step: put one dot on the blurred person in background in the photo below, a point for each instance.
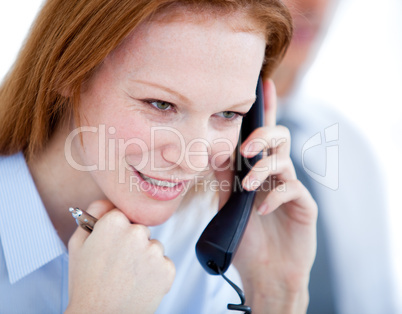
(352, 272)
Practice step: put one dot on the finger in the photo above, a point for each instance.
(157, 247)
(304, 208)
(282, 168)
(96, 209)
(266, 137)
(138, 231)
(270, 102)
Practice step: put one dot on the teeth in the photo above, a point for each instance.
(157, 182)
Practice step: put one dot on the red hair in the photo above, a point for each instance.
(70, 39)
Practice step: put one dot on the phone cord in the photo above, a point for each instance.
(236, 307)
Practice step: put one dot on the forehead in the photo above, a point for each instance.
(192, 40)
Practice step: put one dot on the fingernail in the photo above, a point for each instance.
(250, 183)
(262, 209)
(249, 149)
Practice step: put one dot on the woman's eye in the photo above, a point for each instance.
(228, 114)
(231, 115)
(161, 105)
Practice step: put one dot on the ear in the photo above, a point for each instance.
(65, 92)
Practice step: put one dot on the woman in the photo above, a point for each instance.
(121, 107)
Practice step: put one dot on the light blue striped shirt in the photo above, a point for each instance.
(33, 259)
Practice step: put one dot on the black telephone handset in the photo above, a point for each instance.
(219, 241)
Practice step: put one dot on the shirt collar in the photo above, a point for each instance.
(28, 237)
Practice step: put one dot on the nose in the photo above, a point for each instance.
(192, 154)
(197, 155)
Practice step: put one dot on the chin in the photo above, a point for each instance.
(151, 213)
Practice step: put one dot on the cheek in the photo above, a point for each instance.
(223, 148)
(132, 142)
(113, 136)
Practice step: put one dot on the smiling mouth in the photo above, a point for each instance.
(158, 182)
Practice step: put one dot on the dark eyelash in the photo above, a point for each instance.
(165, 112)
(242, 114)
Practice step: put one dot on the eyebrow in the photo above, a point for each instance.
(187, 100)
(246, 102)
(166, 89)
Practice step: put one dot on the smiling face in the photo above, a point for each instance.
(170, 100)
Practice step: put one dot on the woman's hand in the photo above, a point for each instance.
(278, 248)
(116, 268)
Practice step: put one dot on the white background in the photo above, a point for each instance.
(359, 69)
(359, 72)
